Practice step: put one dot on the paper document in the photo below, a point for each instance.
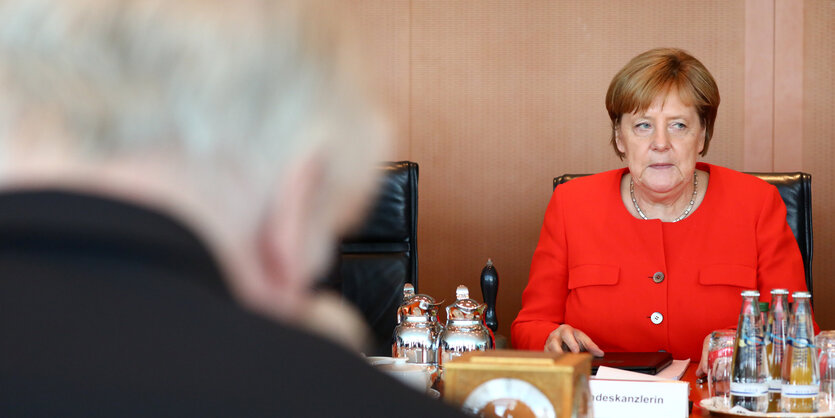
(672, 372)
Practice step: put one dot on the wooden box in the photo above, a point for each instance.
(519, 383)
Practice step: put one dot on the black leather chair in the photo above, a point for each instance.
(796, 191)
(376, 260)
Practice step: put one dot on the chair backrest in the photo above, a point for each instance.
(796, 191)
(376, 260)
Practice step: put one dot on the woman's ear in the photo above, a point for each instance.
(618, 140)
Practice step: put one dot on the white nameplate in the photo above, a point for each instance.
(639, 399)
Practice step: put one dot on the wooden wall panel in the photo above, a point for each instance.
(507, 94)
(758, 135)
(383, 27)
(819, 147)
(788, 85)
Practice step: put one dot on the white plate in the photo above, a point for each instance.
(379, 360)
(714, 405)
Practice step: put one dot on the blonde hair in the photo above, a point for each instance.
(657, 72)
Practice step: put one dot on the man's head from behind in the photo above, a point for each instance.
(244, 117)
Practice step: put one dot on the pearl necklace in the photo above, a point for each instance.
(686, 210)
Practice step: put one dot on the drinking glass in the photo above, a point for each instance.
(825, 341)
(719, 358)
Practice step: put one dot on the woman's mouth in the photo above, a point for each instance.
(661, 166)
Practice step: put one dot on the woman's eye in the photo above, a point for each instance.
(678, 126)
(642, 129)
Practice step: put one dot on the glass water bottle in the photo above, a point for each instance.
(749, 374)
(801, 376)
(775, 345)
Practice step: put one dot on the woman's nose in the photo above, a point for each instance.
(660, 140)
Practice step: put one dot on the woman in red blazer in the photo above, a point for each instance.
(654, 256)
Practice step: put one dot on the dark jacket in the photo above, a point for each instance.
(109, 309)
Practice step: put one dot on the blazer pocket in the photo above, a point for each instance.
(593, 275)
(728, 275)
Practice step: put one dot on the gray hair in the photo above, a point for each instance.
(233, 90)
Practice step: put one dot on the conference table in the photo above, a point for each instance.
(699, 391)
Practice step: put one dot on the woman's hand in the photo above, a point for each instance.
(702, 370)
(567, 338)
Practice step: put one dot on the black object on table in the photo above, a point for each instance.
(490, 290)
